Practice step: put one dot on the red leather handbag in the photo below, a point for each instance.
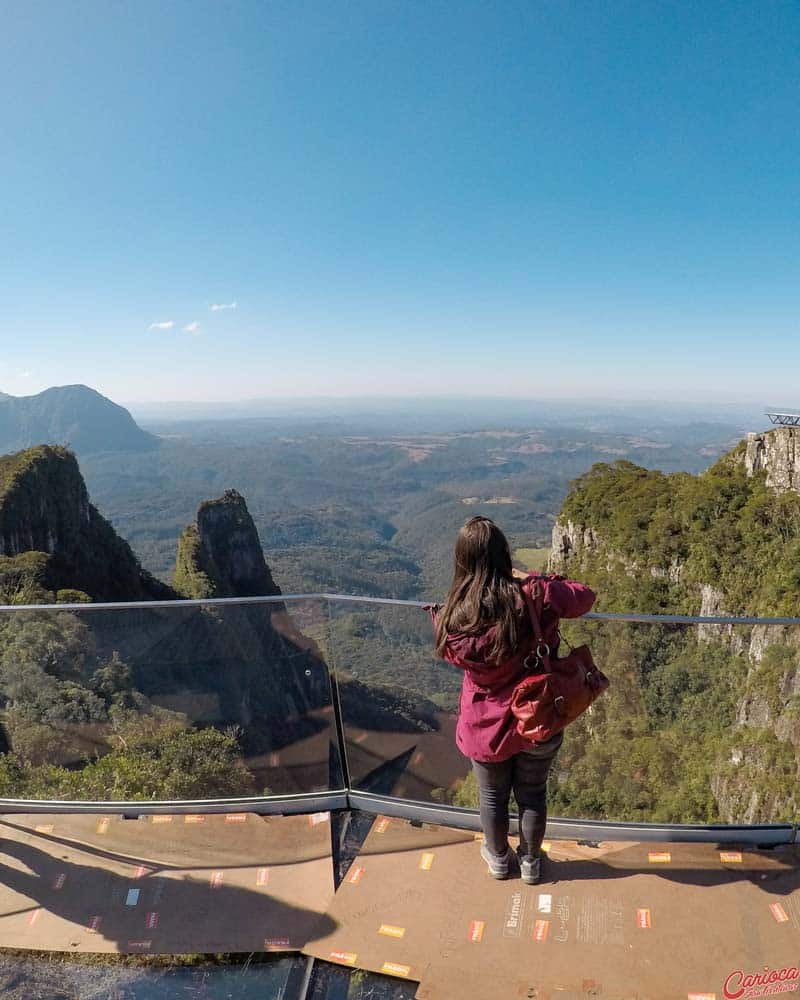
(558, 689)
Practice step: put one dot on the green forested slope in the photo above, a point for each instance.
(722, 528)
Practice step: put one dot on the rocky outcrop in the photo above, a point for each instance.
(44, 503)
(753, 640)
(572, 544)
(712, 606)
(742, 795)
(570, 541)
(53, 539)
(673, 572)
(776, 453)
(220, 554)
(764, 636)
(754, 710)
(766, 739)
(45, 508)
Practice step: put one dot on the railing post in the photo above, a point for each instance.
(337, 703)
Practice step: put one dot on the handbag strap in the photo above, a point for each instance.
(542, 650)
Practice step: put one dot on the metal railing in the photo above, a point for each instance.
(611, 616)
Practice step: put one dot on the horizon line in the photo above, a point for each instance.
(426, 397)
(451, 397)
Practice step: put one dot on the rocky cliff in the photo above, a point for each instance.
(570, 543)
(220, 554)
(71, 415)
(574, 545)
(52, 538)
(724, 543)
(728, 538)
(776, 453)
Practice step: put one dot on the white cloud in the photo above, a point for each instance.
(25, 374)
(166, 325)
(193, 327)
(219, 306)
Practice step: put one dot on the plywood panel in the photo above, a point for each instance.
(163, 884)
(617, 920)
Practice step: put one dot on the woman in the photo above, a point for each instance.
(484, 628)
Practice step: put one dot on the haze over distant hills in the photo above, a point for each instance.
(72, 415)
(458, 413)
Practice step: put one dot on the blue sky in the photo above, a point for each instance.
(534, 198)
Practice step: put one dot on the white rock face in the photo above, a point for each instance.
(673, 572)
(755, 639)
(764, 636)
(711, 605)
(778, 454)
(754, 710)
(569, 540)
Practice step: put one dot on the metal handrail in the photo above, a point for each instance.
(286, 805)
(567, 828)
(394, 602)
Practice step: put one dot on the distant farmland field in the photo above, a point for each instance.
(532, 558)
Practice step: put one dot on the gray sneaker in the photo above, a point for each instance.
(498, 864)
(530, 869)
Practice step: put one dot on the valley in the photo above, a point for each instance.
(367, 514)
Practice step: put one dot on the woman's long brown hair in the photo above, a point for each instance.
(483, 591)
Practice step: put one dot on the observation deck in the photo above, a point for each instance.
(276, 780)
(784, 419)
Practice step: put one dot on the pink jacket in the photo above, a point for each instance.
(486, 729)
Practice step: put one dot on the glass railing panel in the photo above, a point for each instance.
(332, 982)
(399, 704)
(149, 703)
(698, 726)
(701, 723)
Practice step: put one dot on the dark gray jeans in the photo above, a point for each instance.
(526, 773)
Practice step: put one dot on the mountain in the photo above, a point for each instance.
(71, 415)
(721, 703)
(220, 554)
(53, 539)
